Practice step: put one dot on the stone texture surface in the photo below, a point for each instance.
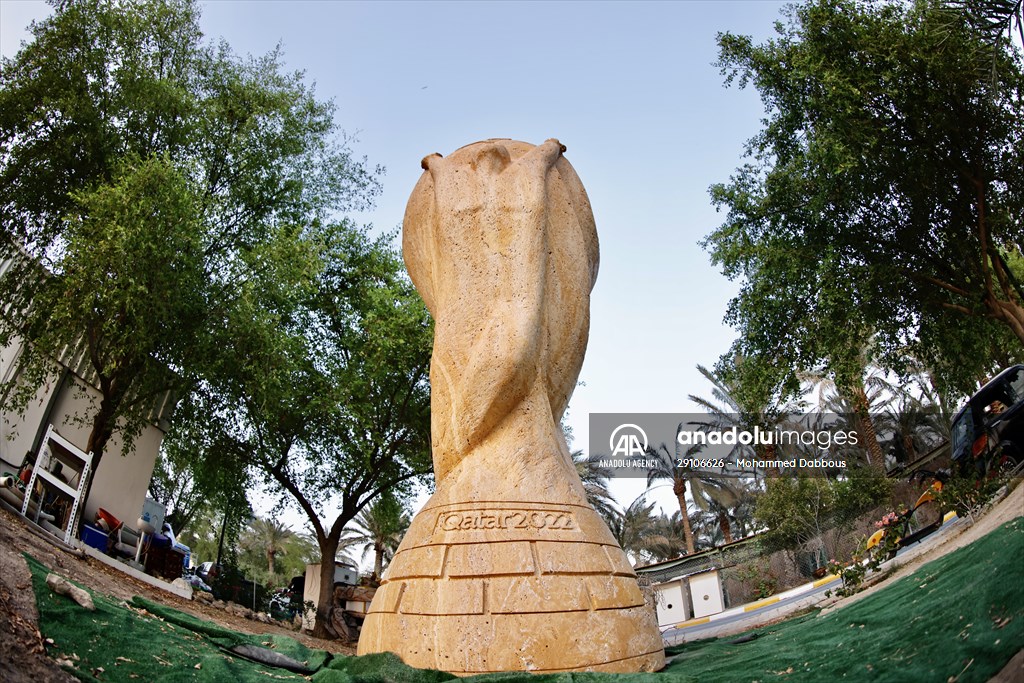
(507, 567)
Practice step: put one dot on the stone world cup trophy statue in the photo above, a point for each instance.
(507, 567)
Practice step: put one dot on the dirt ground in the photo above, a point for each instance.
(22, 654)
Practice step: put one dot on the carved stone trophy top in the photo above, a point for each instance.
(500, 241)
(507, 567)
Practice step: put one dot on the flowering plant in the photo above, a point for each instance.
(852, 574)
(888, 520)
(865, 560)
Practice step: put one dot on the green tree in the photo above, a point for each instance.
(323, 391)
(884, 197)
(141, 173)
(797, 511)
(293, 552)
(379, 528)
(215, 529)
(201, 535)
(193, 470)
(634, 528)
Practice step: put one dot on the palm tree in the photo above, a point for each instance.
(704, 486)
(664, 467)
(726, 410)
(917, 424)
(634, 527)
(742, 513)
(379, 527)
(991, 19)
(717, 498)
(270, 538)
(302, 549)
(595, 484)
(667, 542)
(666, 539)
(859, 391)
(707, 530)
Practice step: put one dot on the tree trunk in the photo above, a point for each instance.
(378, 561)
(723, 524)
(1009, 310)
(909, 449)
(766, 452)
(102, 430)
(325, 599)
(866, 427)
(679, 488)
(223, 531)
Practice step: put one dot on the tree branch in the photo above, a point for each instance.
(285, 481)
(938, 283)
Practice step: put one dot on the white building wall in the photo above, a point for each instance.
(120, 482)
(18, 433)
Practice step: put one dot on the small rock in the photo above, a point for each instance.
(238, 610)
(203, 596)
(63, 587)
(183, 585)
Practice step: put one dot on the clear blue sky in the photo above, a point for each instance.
(628, 87)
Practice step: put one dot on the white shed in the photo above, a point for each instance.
(706, 593)
(672, 602)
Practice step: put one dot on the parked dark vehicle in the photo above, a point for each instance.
(208, 571)
(988, 432)
(230, 584)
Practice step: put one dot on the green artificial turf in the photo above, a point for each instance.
(959, 618)
(144, 641)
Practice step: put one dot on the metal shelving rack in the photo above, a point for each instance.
(67, 454)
